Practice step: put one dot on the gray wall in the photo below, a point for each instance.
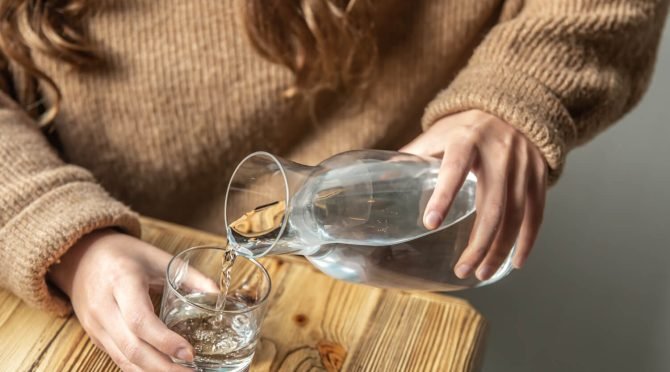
(595, 295)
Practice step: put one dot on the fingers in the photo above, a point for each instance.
(105, 343)
(198, 282)
(533, 216)
(137, 312)
(511, 186)
(117, 356)
(453, 170)
(158, 261)
(491, 201)
(135, 350)
(513, 215)
(186, 276)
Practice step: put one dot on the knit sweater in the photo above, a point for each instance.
(183, 97)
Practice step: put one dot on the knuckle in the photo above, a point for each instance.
(505, 141)
(131, 349)
(94, 308)
(115, 274)
(167, 344)
(471, 133)
(478, 116)
(121, 268)
(136, 321)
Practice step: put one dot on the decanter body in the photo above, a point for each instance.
(356, 216)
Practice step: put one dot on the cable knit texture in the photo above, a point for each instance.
(183, 97)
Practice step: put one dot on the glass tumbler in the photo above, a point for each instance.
(222, 333)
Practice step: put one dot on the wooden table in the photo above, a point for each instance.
(313, 323)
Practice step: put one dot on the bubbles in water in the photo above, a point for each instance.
(240, 321)
(226, 343)
(217, 336)
(215, 321)
(202, 334)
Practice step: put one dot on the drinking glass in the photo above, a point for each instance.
(223, 335)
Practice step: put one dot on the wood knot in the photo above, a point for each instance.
(300, 319)
(332, 355)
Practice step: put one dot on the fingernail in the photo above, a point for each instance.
(184, 354)
(463, 270)
(485, 272)
(432, 220)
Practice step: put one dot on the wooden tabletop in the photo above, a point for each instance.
(313, 323)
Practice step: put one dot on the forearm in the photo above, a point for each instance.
(46, 206)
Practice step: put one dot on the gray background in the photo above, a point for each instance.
(595, 295)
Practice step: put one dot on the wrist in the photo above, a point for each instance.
(62, 273)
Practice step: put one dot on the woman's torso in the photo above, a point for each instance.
(184, 97)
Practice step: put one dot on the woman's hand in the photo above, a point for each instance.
(511, 186)
(107, 276)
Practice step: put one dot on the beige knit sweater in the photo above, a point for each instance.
(185, 97)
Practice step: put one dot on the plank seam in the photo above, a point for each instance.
(37, 361)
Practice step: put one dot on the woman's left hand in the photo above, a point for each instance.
(511, 186)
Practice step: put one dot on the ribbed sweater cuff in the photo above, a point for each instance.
(40, 234)
(516, 98)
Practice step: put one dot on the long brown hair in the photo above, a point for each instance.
(327, 44)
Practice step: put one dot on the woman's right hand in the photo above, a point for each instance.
(107, 275)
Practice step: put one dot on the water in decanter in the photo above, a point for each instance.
(363, 223)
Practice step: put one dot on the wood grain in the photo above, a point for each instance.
(313, 323)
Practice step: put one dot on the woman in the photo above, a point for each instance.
(149, 104)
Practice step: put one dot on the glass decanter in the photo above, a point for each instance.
(357, 216)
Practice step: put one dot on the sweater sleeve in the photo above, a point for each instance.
(46, 205)
(559, 71)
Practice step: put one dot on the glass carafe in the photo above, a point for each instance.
(357, 216)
